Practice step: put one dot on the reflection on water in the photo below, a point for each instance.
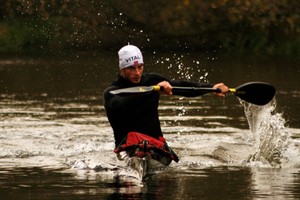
(56, 141)
(208, 183)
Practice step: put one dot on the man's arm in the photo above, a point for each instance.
(122, 102)
(168, 87)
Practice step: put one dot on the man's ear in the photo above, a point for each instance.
(122, 72)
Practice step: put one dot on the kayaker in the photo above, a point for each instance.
(139, 113)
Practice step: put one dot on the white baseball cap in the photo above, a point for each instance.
(130, 55)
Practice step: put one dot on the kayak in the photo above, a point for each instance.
(135, 167)
(140, 152)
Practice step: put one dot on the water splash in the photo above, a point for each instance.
(181, 69)
(271, 137)
(192, 71)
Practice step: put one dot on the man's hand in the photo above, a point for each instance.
(222, 87)
(167, 87)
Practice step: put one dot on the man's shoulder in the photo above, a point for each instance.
(116, 84)
(154, 76)
(108, 89)
(152, 79)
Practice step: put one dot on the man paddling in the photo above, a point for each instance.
(139, 113)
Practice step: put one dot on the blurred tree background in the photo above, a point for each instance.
(268, 27)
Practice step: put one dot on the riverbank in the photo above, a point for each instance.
(233, 27)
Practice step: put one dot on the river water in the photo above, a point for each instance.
(56, 142)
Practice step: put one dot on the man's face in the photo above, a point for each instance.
(133, 73)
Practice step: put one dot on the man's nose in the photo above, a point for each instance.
(137, 71)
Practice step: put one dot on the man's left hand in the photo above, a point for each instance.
(224, 89)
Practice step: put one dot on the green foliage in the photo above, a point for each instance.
(24, 34)
(255, 26)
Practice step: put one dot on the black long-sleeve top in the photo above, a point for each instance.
(139, 112)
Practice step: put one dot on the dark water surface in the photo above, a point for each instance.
(56, 143)
(209, 183)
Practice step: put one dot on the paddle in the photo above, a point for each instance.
(258, 93)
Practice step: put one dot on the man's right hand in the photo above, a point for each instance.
(167, 87)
